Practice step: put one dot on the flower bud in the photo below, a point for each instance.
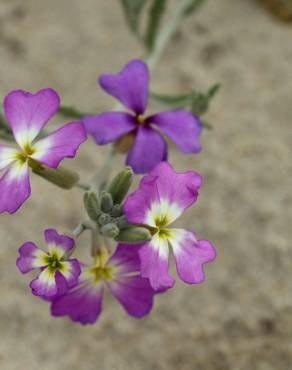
(134, 235)
(120, 185)
(104, 219)
(122, 222)
(91, 204)
(117, 210)
(106, 202)
(60, 176)
(110, 230)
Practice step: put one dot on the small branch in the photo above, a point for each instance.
(85, 225)
(82, 185)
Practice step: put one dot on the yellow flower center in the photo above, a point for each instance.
(25, 154)
(100, 270)
(102, 273)
(140, 119)
(53, 262)
(160, 223)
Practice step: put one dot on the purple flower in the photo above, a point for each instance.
(57, 274)
(27, 114)
(120, 274)
(130, 87)
(162, 197)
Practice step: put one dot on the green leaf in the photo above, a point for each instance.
(200, 101)
(194, 6)
(5, 131)
(133, 10)
(175, 101)
(213, 90)
(70, 112)
(155, 15)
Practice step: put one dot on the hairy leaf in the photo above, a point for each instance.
(133, 10)
(200, 101)
(175, 101)
(70, 112)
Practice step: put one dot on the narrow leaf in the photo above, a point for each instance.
(5, 131)
(175, 101)
(213, 90)
(200, 101)
(132, 10)
(155, 15)
(70, 112)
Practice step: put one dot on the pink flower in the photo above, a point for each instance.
(119, 274)
(162, 197)
(27, 114)
(57, 274)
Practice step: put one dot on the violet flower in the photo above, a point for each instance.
(162, 197)
(27, 114)
(120, 274)
(57, 274)
(130, 87)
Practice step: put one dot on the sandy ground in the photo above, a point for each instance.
(240, 318)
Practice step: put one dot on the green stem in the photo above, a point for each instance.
(167, 32)
(82, 185)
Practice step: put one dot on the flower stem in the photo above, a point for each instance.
(82, 185)
(167, 32)
(82, 226)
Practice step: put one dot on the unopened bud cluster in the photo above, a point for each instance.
(106, 210)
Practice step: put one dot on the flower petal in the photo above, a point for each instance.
(110, 126)
(57, 243)
(81, 304)
(14, 187)
(130, 86)
(191, 255)
(126, 259)
(71, 271)
(7, 156)
(148, 150)
(134, 293)
(162, 194)
(177, 191)
(45, 284)
(62, 143)
(182, 127)
(28, 113)
(30, 257)
(154, 263)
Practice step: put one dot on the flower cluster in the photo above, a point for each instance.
(132, 241)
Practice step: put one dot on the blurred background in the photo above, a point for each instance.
(240, 318)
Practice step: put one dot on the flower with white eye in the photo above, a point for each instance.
(162, 197)
(27, 114)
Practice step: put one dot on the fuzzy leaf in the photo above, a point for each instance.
(175, 101)
(71, 112)
(200, 101)
(133, 10)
